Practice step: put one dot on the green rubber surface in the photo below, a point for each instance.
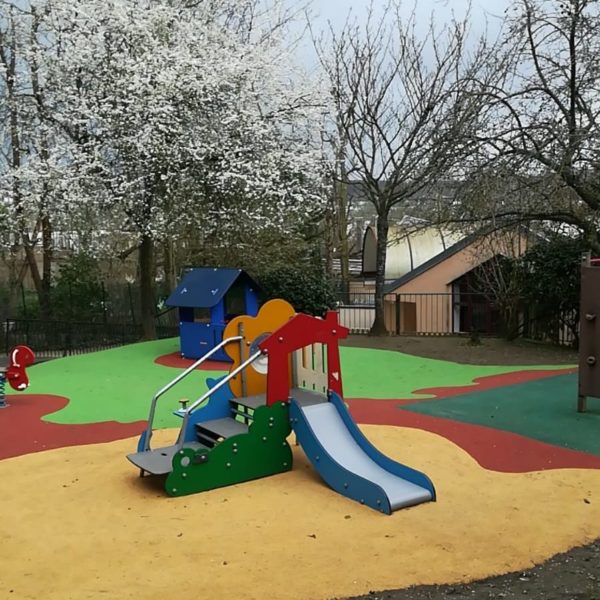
(380, 374)
(544, 410)
(118, 384)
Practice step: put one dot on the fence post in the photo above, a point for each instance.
(398, 328)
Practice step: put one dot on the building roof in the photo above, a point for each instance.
(411, 243)
(204, 287)
(432, 262)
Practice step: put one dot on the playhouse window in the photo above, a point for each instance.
(202, 315)
(235, 302)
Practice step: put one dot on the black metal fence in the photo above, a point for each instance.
(423, 313)
(453, 314)
(53, 339)
(105, 302)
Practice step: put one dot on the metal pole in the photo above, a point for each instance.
(210, 392)
(3, 403)
(242, 359)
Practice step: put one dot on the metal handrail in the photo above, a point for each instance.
(166, 388)
(188, 411)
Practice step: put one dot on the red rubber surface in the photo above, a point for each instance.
(22, 431)
(492, 448)
(486, 383)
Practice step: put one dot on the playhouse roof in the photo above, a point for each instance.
(204, 287)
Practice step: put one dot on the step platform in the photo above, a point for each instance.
(159, 461)
(211, 432)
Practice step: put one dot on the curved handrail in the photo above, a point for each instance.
(188, 411)
(172, 383)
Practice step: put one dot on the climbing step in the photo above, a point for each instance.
(252, 402)
(159, 461)
(244, 407)
(210, 432)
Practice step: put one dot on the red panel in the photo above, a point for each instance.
(302, 330)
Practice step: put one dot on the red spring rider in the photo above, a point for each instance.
(19, 358)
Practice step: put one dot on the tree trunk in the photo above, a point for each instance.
(33, 267)
(16, 275)
(146, 263)
(328, 239)
(379, 327)
(169, 266)
(343, 233)
(47, 256)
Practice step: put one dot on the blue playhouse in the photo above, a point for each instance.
(207, 299)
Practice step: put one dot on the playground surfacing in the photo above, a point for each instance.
(102, 532)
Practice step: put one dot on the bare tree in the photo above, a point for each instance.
(402, 105)
(539, 133)
(500, 277)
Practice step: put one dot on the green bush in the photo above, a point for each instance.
(77, 294)
(552, 281)
(307, 291)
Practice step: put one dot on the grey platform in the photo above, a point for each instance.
(159, 461)
(331, 431)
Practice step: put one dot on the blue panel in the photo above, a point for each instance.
(337, 477)
(196, 339)
(142, 441)
(217, 313)
(398, 469)
(251, 298)
(218, 407)
(218, 331)
(205, 287)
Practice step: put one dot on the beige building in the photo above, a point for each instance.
(434, 292)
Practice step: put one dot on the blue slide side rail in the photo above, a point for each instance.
(337, 477)
(398, 469)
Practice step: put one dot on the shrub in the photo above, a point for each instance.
(307, 291)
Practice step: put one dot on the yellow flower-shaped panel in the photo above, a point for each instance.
(272, 315)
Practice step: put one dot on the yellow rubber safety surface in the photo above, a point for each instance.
(78, 523)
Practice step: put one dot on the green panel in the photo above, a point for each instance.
(262, 451)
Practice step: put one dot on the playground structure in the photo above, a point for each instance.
(589, 373)
(207, 299)
(285, 376)
(19, 358)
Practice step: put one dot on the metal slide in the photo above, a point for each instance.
(348, 462)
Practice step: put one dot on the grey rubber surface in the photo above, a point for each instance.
(159, 461)
(331, 431)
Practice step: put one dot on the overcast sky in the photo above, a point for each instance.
(337, 10)
(485, 14)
